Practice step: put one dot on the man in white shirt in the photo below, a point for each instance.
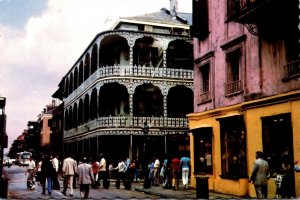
(85, 178)
(121, 173)
(156, 172)
(30, 170)
(69, 169)
(55, 178)
(102, 170)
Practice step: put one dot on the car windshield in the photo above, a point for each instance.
(25, 156)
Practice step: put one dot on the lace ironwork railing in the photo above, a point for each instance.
(129, 122)
(233, 87)
(205, 96)
(238, 7)
(292, 70)
(132, 71)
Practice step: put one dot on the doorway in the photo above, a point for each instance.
(278, 138)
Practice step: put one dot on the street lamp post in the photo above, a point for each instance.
(145, 130)
(3, 144)
(166, 143)
(130, 148)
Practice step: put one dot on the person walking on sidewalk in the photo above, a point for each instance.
(39, 170)
(121, 173)
(102, 171)
(47, 172)
(260, 176)
(68, 170)
(95, 169)
(31, 171)
(185, 169)
(165, 173)
(85, 178)
(55, 182)
(175, 168)
(156, 178)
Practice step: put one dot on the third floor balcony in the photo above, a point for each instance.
(248, 11)
(133, 72)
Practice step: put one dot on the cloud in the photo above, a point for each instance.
(36, 57)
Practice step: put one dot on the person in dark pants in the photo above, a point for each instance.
(102, 174)
(75, 175)
(286, 190)
(166, 173)
(121, 173)
(47, 173)
(55, 183)
(175, 168)
(260, 176)
(95, 168)
(85, 178)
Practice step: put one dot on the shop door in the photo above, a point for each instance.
(203, 151)
(278, 139)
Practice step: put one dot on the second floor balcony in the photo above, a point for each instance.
(135, 72)
(204, 97)
(233, 88)
(291, 70)
(156, 125)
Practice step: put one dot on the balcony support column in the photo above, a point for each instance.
(130, 147)
(165, 104)
(98, 102)
(131, 108)
(97, 143)
(131, 42)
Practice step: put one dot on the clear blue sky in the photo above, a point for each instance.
(17, 12)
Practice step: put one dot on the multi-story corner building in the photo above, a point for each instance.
(56, 125)
(246, 95)
(32, 139)
(129, 92)
(44, 129)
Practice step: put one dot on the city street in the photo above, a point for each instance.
(17, 189)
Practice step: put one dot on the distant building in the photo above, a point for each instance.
(32, 138)
(44, 129)
(130, 90)
(246, 95)
(56, 125)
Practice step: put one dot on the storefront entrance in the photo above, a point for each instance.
(277, 141)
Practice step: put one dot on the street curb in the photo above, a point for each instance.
(153, 193)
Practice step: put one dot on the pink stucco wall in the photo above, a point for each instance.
(261, 64)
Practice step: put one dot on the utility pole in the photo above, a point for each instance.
(3, 144)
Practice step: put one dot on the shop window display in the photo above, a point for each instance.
(233, 148)
(203, 151)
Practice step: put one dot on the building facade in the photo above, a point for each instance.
(129, 92)
(44, 128)
(246, 95)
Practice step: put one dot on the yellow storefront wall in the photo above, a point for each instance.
(252, 111)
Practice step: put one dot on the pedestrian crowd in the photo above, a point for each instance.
(167, 172)
(95, 172)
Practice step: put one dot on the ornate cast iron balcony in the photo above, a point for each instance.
(117, 122)
(245, 11)
(291, 70)
(233, 87)
(132, 71)
(204, 97)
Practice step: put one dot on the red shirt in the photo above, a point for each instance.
(95, 167)
(175, 164)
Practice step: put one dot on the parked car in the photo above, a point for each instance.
(7, 161)
(24, 158)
